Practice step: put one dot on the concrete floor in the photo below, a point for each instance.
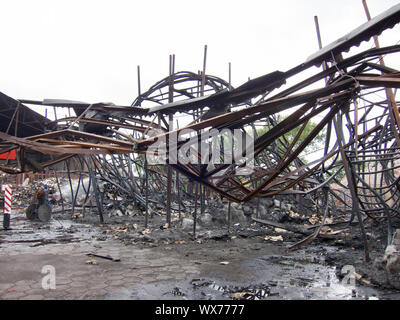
(159, 271)
(21, 268)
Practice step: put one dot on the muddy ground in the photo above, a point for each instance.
(248, 261)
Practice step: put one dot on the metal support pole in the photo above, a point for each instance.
(203, 75)
(393, 110)
(138, 77)
(146, 221)
(324, 65)
(195, 211)
(178, 194)
(202, 199)
(170, 128)
(229, 216)
(230, 74)
(69, 179)
(352, 186)
(96, 191)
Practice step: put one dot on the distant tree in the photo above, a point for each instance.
(286, 140)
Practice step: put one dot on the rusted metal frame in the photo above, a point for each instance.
(175, 148)
(341, 65)
(180, 93)
(241, 185)
(321, 161)
(97, 107)
(161, 118)
(381, 190)
(98, 137)
(123, 184)
(131, 175)
(179, 77)
(184, 171)
(123, 135)
(184, 92)
(45, 148)
(103, 164)
(65, 132)
(80, 116)
(195, 211)
(285, 163)
(378, 159)
(202, 199)
(333, 97)
(314, 235)
(123, 164)
(296, 181)
(146, 221)
(149, 126)
(170, 128)
(112, 172)
(288, 124)
(236, 185)
(352, 186)
(265, 109)
(146, 123)
(86, 144)
(13, 116)
(327, 181)
(382, 68)
(52, 134)
(290, 174)
(389, 93)
(381, 104)
(389, 179)
(87, 191)
(327, 142)
(229, 215)
(203, 75)
(364, 117)
(95, 188)
(75, 198)
(375, 151)
(324, 64)
(383, 202)
(385, 81)
(69, 179)
(297, 137)
(103, 122)
(59, 190)
(55, 161)
(289, 149)
(122, 109)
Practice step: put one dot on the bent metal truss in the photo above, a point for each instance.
(352, 101)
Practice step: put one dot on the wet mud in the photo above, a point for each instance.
(230, 265)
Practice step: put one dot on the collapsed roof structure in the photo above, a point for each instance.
(361, 134)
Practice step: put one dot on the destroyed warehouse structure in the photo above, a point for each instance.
(108, 143)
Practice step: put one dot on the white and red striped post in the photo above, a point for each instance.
(7, 205)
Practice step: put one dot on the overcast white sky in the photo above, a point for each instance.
(89, 50)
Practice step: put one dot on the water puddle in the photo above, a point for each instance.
(31, 233)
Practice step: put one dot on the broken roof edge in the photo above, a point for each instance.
(375, 26)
